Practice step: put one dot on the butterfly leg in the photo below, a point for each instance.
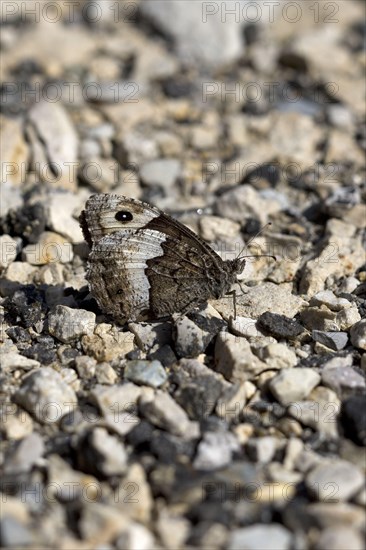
(233, 294)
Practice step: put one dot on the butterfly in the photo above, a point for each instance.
(143, 264)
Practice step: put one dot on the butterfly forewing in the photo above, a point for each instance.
(145, 264)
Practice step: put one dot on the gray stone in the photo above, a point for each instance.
(326, 514)
(343, 380)
(347, 256)
(354, 418)
(139, 509)
(89, 148)
(137, 536)
(198, 391)
(165, 355)
(15, 423)
(109, 453)
(11, 197)
(115, 399)
(339, 361)
(248, 328)
(85, 366)
(105, 374)
(358, 334)
(17, 272)
(243, 201)
(137, 146)
(56, 134)
(278, 474)
(107, 343)
(67, 324)
(215, 227)
(294, 137)
(14, 155)
(100, 523)
(100, 173)
(162, 411)
(293, 448)
(62, 208)
(333, 340)
(172, 530)
(215, 450)
(320, 413)
(294, 384)
(150, 336)
(66, 484)
(8, 251)
(44, 394)
(315, 318)
(13, 360)
(340, 538)
(231, 402)
(349, 285)
(346, 318)
(193, 334)
(27, 452)
(262, 449)
(234, 358)
(50, 248)
(14, 534)
(280, 326)
(335, 481)
(278, 356)
(102, 131)
(260, 537)
(202, 33)
(149, 373)
(261, 298)
(326, 407)
(341, 117)
(329, 299)
(161, 173)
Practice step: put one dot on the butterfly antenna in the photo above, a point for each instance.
(260, 256)
(251, 240)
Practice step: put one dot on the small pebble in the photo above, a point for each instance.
(354, 418)
(333, 340)
(215, 450)
(51, 247)
(291, 385)
(67, 324)
(44, 394)
(280, 325)
(343, 380)
(260, 537)
(149, 373)
(358, 334)
(334, 481)
(8, 251)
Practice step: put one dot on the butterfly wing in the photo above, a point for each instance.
(144, 263)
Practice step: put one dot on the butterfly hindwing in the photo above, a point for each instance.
(145, 264)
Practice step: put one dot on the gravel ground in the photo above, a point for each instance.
(201, 431)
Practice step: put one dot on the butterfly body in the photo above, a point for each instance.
(143, 264)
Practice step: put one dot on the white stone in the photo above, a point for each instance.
(358, 334)
(44, 394)
(278, 356)
(67, 324)
(260, 537)
(293, 384)
(8, 251)
(13, 360)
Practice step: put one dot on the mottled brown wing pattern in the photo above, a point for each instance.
(145, 264)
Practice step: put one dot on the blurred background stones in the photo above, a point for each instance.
(201, 431)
